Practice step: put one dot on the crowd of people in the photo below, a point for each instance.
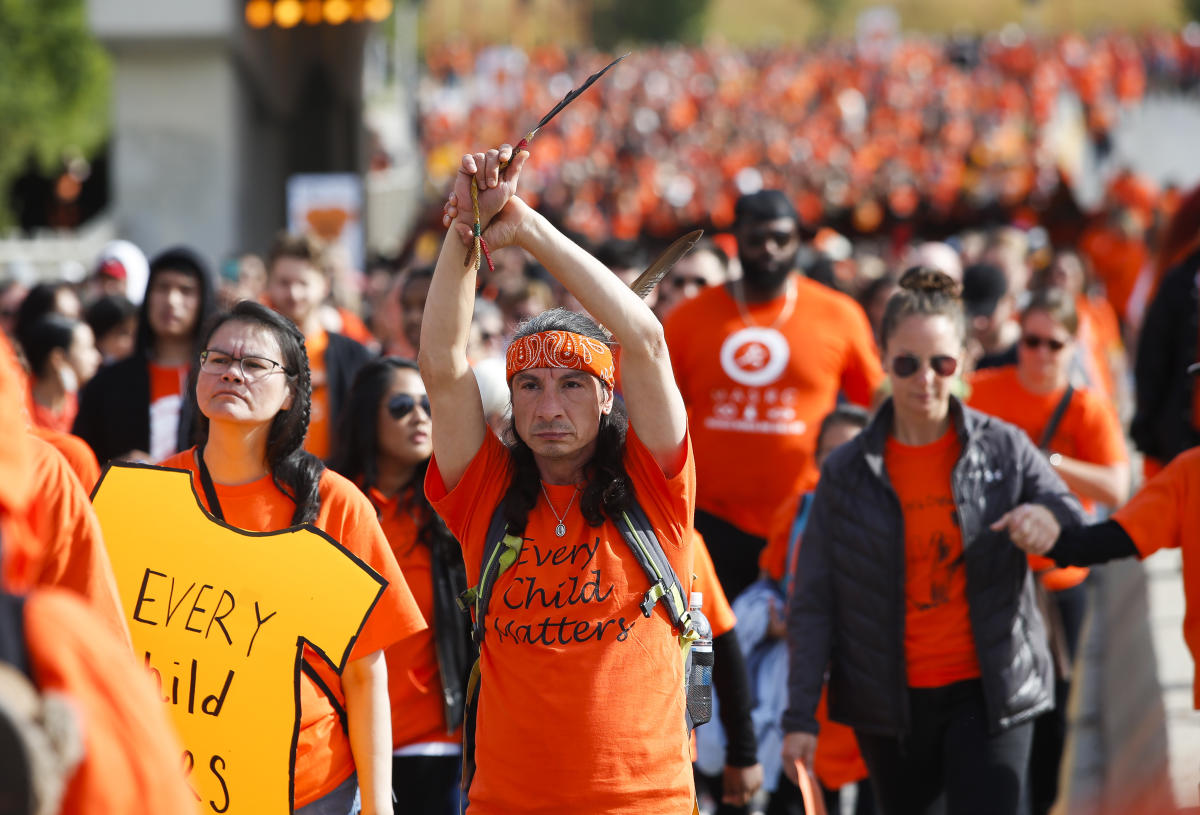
(916, 133)
(888, 459)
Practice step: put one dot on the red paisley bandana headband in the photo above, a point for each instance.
(560, 349)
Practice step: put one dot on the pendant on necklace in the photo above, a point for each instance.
(560, 530)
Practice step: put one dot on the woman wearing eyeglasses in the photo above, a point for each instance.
(384, 445)
(1082, 439)
(254, 390)
(927, 624)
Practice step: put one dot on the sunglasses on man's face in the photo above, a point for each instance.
(402, 404)
(905, 365)
(1034, 342)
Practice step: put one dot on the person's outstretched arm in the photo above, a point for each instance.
(652, 398)
(454, 397)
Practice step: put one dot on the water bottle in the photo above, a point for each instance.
(698, 668)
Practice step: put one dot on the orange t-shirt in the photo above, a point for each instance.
(354, 327)
(1118, 260)
(1100, 334)
(756, 394)
(77, 453)
(317, 441)
(938, 642)
(168, 387)
(414, 681)
(1163, 515)
(581, 703)
(132, 760)
(716, 606)
(65, 548)
(1089, 431)
(323, 758)
(61, 420)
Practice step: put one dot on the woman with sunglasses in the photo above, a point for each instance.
(1082, 439)
(927, 623)
(254, 391)
(384, 445)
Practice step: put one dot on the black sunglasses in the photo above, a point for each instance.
(1034, 342)
(680, 282)
(402, 404)
(905, 365)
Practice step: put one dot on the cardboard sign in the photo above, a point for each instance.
(220, 617)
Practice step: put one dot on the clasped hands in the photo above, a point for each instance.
(501, 212)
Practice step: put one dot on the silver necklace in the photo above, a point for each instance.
(561, 529)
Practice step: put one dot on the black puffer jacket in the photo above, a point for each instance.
(848, 608)
(1162, 424)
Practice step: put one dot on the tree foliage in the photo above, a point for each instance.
(54, 86)
(618, 21)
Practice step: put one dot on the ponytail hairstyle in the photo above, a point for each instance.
(927, 292)
(296, 472)
(357, 456)
(49, 333)
(608, 488)
(1057, 305)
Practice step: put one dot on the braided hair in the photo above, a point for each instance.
(296, 472)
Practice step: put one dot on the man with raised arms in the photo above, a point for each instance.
(581, 705)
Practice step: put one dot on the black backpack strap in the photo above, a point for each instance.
(451, 633)
(1056, 418)
(500, 551)
(13, 648)
(665, 587)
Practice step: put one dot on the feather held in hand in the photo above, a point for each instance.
(480, 251)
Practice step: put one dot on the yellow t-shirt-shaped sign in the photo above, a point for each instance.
(220, 617)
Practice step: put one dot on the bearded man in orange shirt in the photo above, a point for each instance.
(759, 361)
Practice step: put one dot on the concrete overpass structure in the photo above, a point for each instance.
(211, 117)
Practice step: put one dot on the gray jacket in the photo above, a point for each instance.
(847, 610)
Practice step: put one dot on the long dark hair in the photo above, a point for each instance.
(607, 489)
(48, 333)
(296, 472)
(357, 456)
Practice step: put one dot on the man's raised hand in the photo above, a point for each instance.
(496, 184)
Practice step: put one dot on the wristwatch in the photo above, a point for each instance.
(1055, 459)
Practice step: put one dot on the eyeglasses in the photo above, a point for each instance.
(402, 404)
(1034, 342)
(905, 365)
(250, 368)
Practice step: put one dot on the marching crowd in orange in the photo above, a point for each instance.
(922, 154)
(923, 132)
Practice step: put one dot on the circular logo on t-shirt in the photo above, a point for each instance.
(755, 356)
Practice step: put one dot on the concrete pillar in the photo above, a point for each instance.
(210, 118)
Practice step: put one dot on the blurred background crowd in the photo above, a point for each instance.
(299, 153)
